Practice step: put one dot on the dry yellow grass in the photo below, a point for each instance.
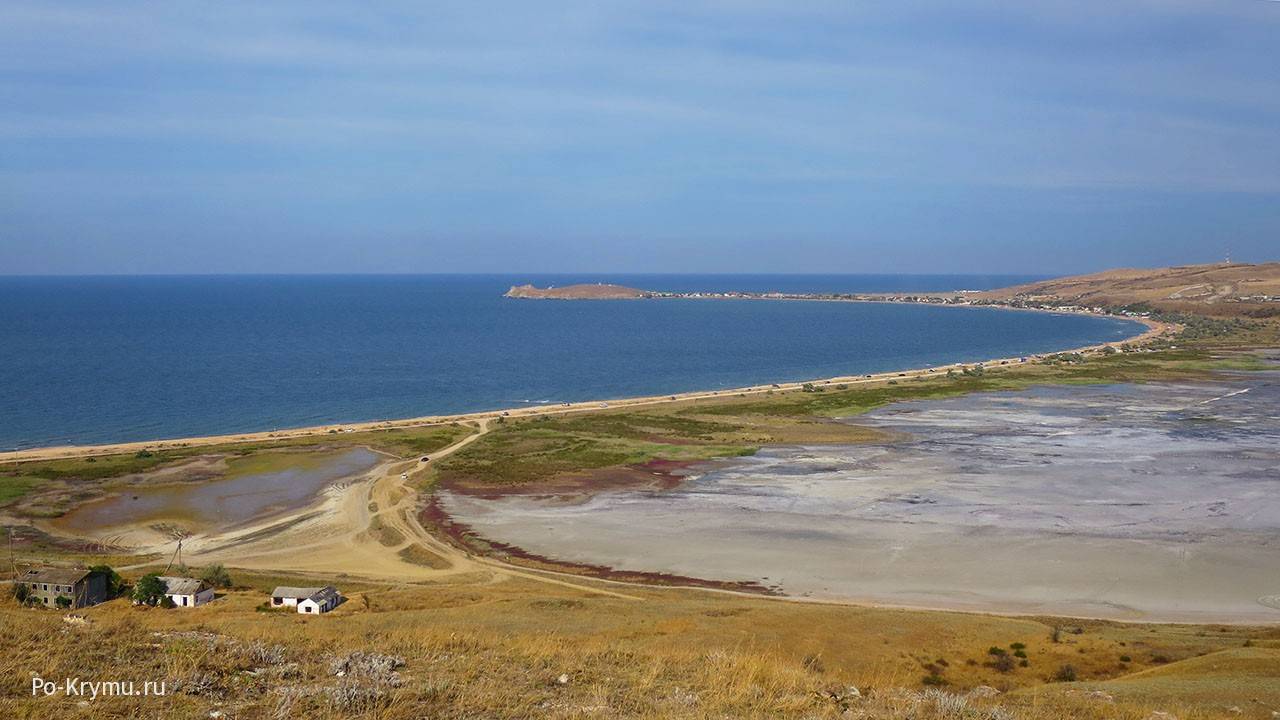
(501, 650)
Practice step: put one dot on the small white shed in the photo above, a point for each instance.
(187, 592)
(308, 601)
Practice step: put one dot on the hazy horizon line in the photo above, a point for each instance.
(594, 273)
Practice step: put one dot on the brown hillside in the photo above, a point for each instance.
(1219, 289)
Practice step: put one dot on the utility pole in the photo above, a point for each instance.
(13, 562)
(177, 555)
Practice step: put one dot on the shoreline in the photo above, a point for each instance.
(1155, 329)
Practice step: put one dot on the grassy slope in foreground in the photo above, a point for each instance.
(478, 649)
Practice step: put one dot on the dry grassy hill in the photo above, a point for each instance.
(1225, 289)
(517, 649)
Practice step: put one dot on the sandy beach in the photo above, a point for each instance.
(1154, 330)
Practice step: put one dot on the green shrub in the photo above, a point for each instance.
(217, 576)
(149, 590)
(1066, 673)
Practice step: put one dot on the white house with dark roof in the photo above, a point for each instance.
(187, 592)
(308, 601)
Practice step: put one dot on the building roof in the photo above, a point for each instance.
(326, 593)
(60, 576)
(301, 593)
(183, 586)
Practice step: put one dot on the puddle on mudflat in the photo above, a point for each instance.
(224, 503)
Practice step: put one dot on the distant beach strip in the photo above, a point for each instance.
(1142, 330)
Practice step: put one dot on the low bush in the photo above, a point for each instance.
(1002, 663)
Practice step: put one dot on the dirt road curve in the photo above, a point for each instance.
(367, 528)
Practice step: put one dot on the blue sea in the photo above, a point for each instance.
(109, 359)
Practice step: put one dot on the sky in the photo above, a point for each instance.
(1048, 137)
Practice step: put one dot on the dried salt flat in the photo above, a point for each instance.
(1157, 501)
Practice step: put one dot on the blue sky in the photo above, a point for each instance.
(756, 136)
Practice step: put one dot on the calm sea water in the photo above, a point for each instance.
(105, 359)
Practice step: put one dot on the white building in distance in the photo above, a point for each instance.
(308, 601)
(187, 592)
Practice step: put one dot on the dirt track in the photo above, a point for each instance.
(359, 529)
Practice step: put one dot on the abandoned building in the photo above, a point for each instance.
(62, 587)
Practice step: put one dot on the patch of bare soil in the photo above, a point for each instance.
(434, 517)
